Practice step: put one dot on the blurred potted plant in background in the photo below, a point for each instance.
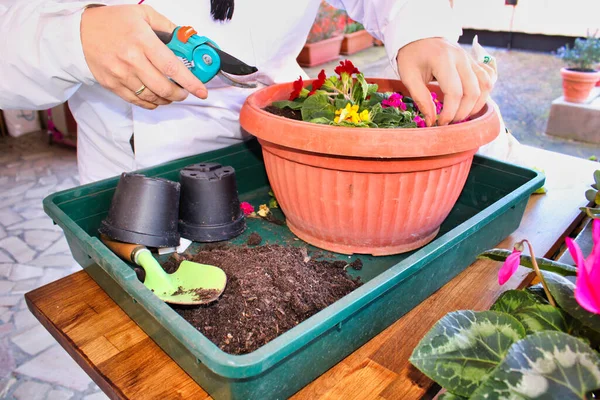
(356, 38)
(579, 76)
(325, 37)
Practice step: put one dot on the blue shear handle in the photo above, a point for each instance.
(199, 57)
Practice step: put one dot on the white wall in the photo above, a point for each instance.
(548, 17)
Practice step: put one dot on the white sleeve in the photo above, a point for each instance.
(42, 62)
(400, 22)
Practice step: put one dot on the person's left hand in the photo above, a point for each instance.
(466, 84)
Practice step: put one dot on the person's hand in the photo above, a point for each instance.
(125, 55)
(466, 84)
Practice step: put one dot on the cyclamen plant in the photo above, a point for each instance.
(533, 343)
(347, 99)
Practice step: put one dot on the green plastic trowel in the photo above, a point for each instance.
(192, 283)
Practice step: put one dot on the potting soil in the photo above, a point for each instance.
(270, 289)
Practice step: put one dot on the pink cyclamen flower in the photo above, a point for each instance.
(420, 122)
(509, 267)
(246, 208)
(587, 284)
(395, 100)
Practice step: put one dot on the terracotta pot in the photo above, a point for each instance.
(320, 52)
(355, 42)
(578, 85)
(365, 190)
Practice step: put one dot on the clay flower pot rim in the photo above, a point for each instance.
(583, 71)
(364, 142)
(488, 111)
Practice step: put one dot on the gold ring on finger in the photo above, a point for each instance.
(140, 90)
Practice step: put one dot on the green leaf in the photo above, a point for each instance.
(451, 396)
(538, 291)
(597, 176)
(360, 90)
(375, 100)
(317, 106)
(464, 347)
(513, 300)
(542, 317)
(372, 89)
(534, 314)
(294, 105)
(321, 120)
(544, 365)
(332, 83)
(563, 291)
(388, 116)
(340, 103)
(544, 263)
(591, 194)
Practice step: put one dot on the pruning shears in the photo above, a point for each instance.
(204, 58)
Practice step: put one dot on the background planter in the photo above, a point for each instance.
(355, 42)
(365, 190)
(320, 52)
(578, 85)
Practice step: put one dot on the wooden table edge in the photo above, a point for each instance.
(112, 391)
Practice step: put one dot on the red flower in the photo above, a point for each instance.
(318, 83)
(298, 86)
(347, 67)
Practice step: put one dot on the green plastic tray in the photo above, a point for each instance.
(489, 209)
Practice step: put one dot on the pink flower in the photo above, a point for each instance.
(246, 208)
(587, 285)
(509, 267)
(395, 100)
(420, 122)
(438, 104)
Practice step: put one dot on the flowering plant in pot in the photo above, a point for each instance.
(325, 37)
(579, 76)
(356, 38)
(538, 342)
(353, 168)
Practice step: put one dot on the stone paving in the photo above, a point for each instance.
(34, 252)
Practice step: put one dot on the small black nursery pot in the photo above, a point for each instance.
(144, 211)
(209, 210)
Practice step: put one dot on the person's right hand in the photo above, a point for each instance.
(123, 53)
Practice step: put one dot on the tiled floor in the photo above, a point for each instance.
(34, 252)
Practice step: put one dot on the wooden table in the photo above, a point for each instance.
(127, 364)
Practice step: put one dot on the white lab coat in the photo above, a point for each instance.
(42, 65)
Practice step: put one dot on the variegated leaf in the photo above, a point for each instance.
(544, 264)
(464, 347)
(563, 291)
(512, 300)
(544, 365)
(542, 317)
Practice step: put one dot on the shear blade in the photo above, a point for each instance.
(233, 82)
(232, 65)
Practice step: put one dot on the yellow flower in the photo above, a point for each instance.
(348, 113)
(364, 116)
(263, 210)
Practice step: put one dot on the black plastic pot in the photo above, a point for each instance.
(144, 211)
(209, 209)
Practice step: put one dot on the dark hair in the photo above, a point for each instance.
(221, 9)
